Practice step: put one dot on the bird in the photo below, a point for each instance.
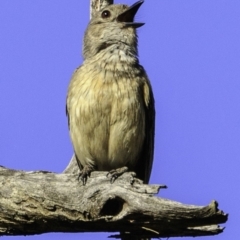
(110, 102)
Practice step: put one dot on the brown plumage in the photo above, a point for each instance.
(110, 103)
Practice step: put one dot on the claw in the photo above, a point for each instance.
(85, 174)
(115, 173)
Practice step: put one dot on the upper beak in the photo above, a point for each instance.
(127, 17)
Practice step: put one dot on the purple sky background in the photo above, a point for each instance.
(191, 52)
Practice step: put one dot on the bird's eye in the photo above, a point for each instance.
(106, 14)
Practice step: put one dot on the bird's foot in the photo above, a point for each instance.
(115, 173)
(85, 173)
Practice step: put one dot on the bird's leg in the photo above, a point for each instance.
(115, 173)
(85, 173)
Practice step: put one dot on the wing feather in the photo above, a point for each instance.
(144, 165)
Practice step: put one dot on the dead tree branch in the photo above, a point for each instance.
(42, 202)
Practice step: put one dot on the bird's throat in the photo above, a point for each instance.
(117, 53)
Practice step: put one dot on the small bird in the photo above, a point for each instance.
(110, 104)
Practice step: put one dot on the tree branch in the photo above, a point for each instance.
(41, 202)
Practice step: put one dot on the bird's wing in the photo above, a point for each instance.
(144, 165)
(69, 93)
(68, 105)
(67, 116)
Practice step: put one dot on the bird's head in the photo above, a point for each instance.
(113, 24)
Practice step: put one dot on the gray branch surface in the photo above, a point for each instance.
(42, 202)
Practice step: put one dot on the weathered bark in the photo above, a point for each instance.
(41, 202)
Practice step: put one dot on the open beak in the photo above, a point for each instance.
(127, 17)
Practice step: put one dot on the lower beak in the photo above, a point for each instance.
(127, 17)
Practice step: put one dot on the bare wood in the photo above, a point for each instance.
(96, 5)
(41, 202)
